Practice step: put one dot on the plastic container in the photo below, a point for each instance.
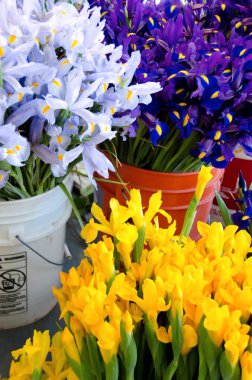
(26, 279)
(177, 192)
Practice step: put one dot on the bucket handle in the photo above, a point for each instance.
(66, 251)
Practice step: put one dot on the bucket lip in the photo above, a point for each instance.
(36, 197)
(170, 174)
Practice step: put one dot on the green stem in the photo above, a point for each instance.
(116, 254)
(189, 217)
(141, 349)
(95, 360)
(97, 179)
(182, 152)
(223, 209)
(75, 209)
(17, 191)
(139, 244)
(19, 179)
(28, 181)
(47, 175)
(117, 174)
(37, 174)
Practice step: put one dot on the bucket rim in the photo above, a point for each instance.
(67, 180)
(168, 174)
(158, 173)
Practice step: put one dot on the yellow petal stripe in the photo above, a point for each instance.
(46, 109)
(158, 129)
(215, 95)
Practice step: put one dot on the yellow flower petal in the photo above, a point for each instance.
(203, 178)
(69, 345)
(190, 339)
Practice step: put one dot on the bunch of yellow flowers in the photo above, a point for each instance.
(148, 304)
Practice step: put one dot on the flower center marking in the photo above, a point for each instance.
(46, 109)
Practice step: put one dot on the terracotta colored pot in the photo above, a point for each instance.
(177, 192)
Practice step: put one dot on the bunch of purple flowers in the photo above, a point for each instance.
(243, 216)
(201, 54)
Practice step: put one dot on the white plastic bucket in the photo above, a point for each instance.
(26, 279)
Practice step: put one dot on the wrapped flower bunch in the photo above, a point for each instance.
(148, 304)
(62, 88)
(242, 217)
(200, 51)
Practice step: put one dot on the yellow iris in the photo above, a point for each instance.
(203, 178)
(69, 345)
(209, 280)
(108, 341)
(190, 339)
(33, 354)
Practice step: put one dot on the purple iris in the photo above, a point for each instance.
(201, 53)
(243, 217)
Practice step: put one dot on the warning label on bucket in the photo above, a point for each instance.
(13, 285)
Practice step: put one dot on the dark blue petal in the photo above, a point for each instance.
(159, 132)
(153, 23)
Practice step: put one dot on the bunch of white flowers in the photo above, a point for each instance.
(62, 89)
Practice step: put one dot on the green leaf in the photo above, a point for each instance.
(193, 362)
(177, 335)
(75, 209)
(183, 368)
(129, 351)
(86, 367)
(116, 256)
(189, 217)
(76, 367)
(64, 114)
(203, 369)
(36, 375)
(157, 349)
(94, 355)
(223, 209)
(112, 369)
(228, 372)
(211, 352)
(170, 370)
(17, 191)
(177, 340)
(139, 244)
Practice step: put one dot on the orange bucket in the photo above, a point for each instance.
(177, 192)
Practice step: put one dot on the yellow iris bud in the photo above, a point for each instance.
(69, 345)
(203, 178)
(177, 300)
(101, 255)
(128, 322)
(108, 341)
(246, 365)
(216, 320)
(78, 332)
(235, 346)
(190, 339)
